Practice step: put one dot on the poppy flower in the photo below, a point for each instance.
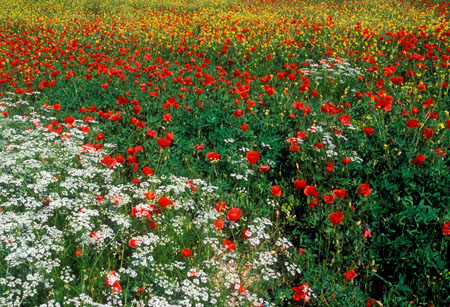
(339, 193)
(350, 274)
(299, 184)
(264, 168)
(368, 131)
(151, 133)
(234, 214)
(252, 157)
(367, 233)
(314, 203)
(301, 293)
(120, 159)
(364, 189)
(221, 206)
(112, 280)
(229, 245)
(69, 120)
(116, 287)
(310, 190)
(164, 201)
(134, 242)
(329, 166)
(244, 128)
(107, 160)
(328, 199)
(219, 224)
(419, 159)
(345, 119)
(336, 218)
(412, 123)
(276, 190)
(78, 252)
(246, 234)
(186, 252)
(149, 195)
(151, 224)
(147, 171)
(446, 229)
(163, 143)
(213, 156)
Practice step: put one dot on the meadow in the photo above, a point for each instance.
(224, 153)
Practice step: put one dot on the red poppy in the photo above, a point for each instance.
(147, 171)
(350, 274)
(234, 214)
(134, 242)
(246, 234)
(301, 293)
(252, 157)
(213, 156)
(151, 224)
(186, 252)
(299, 184)
(314, 203)
(336, 218)
(446, 229)
(368, 131)
(221, 206)
(120, 159)
(346, 161)
(229, 245)
(328, 199)
(412, 123)
(329, 166)
(78, 252)
(164, 201)
(419, 159)
(116, 287)
(163, 143)
(447, 123)
(244, 127)
(198, 147)
(339, 193)
(276, 190)
(107, 160)
(345, 119)
(364, 189)
(219, 224)
(264, 168)
(149, 195)
(367, 233)
(69, 120)
(310, 190)
(151, 133)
